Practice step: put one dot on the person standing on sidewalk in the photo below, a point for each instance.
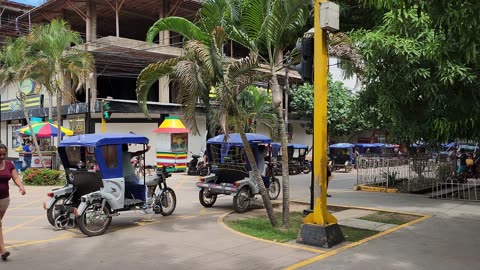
(452, 159)
(27, 154)
(7, 172)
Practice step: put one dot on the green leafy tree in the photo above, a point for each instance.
(344, 111)
(423, 64)
(423, 94)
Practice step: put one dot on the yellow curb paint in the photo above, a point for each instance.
(221, 218)
(22, 224)
(28, 243)
(354, 244)
(376, 189)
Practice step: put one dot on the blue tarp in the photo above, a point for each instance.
(103, 139)
(234, 139)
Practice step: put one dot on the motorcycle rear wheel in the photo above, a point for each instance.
(51, 211)
(241, 201)
(206, 198)
(91, 215)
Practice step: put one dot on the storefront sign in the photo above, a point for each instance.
(13, 105)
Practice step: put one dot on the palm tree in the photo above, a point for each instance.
(268, 27)
(61, 68)
(256, 104)
(13, 59)
(203, 66)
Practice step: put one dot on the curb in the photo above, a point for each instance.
(376, 189)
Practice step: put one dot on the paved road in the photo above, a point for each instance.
(192, 238)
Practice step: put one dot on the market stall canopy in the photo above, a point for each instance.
(44, 130)
(172, 124)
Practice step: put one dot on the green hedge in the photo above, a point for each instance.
(42, 177)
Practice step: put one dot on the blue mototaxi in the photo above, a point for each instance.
(232, 174)
(369, 148)
(342, 156)
(297, 162)
(104, 192)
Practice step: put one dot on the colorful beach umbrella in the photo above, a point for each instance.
(172, 124)
(44, 129)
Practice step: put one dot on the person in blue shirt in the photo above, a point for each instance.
(27, 154)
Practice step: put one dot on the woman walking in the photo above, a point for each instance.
(7, 172)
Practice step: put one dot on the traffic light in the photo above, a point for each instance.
(305, 68)
(106, 113)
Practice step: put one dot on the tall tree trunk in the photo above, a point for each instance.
(60, 83)
(277, 98)
(50, 108)
(59, 116)
(263, 191)
(34, 138)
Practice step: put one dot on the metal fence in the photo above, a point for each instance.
(453, 190)
(407, 174)
(416, 174)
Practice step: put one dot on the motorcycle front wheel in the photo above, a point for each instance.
(95, 220)
(274, 189)
(167, 201)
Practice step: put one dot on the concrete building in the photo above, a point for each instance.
(114, 31)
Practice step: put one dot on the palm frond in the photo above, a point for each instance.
(219, 12)
(201, 53)
(285, 21)
(178, 25)
(149, 76)
(242, 66)
(192, 89)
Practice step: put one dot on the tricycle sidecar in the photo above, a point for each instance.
(231, 172)
(93, 195)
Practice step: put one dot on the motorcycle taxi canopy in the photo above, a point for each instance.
(223, 144)
(103, 139)
(235, 139)
(107, 149)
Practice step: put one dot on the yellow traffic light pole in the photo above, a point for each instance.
(320, 228)
(320, 215)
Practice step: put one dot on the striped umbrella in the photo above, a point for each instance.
(44, 130)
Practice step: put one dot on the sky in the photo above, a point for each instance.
(30, 2)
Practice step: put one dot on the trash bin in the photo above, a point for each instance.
(18, 165)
